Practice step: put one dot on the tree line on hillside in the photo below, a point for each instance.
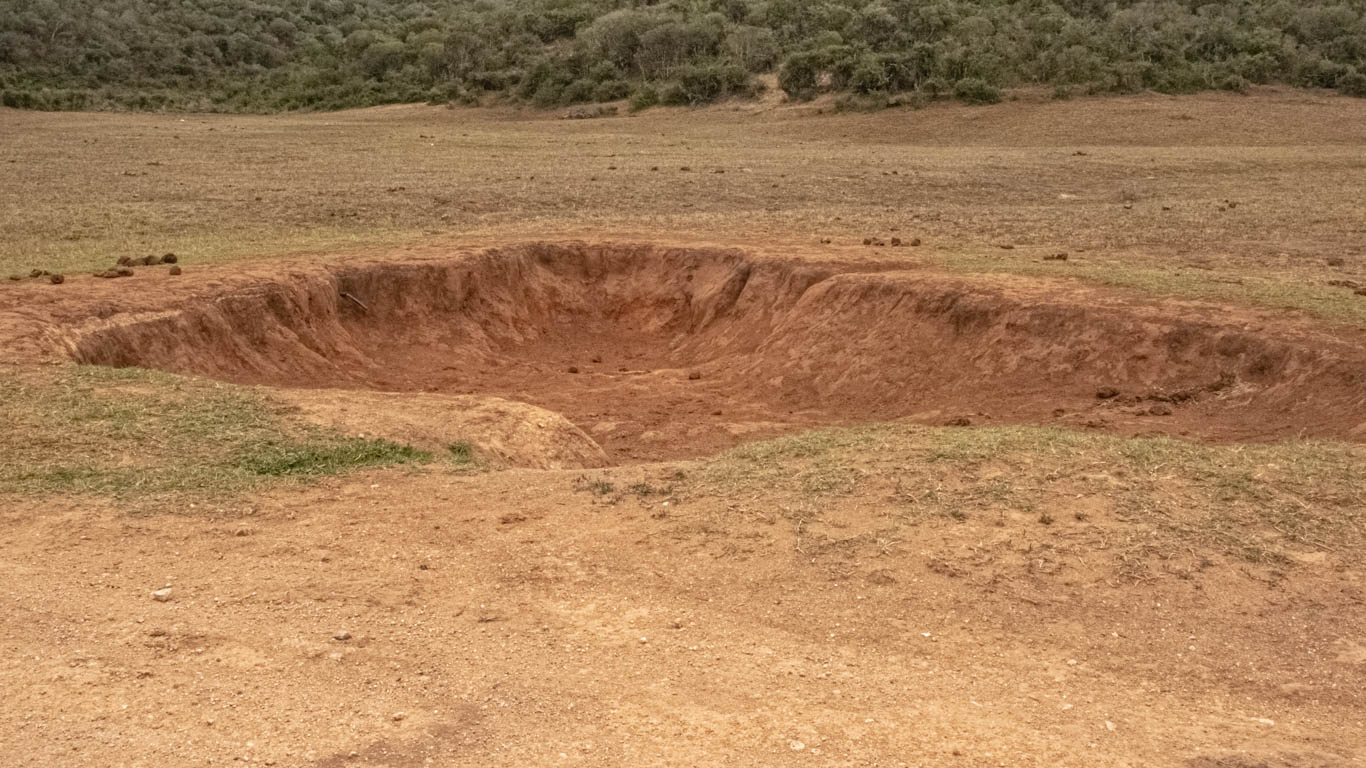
(270, 55)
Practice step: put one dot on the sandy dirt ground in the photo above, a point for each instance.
(1115, 519)
(511, 619)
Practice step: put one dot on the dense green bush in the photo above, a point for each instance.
(975, 90)
(1353, 83)
(644, 97)
(263, 55)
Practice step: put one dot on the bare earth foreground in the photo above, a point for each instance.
(688, 485)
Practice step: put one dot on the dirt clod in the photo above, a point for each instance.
(124, 261)
(1160, 409)
(1055, 257)
(124, 272)
(169, 258)
(1105, 393)
(1335, 261)
(896, 242)
(151, 260)
(56, 278)
(16, 278)
(694, 375)
(573, 369)
(36, 273)
(175, 270)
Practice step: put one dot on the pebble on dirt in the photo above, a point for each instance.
(573, 369)
(162, 595)
(169, 258)
(175, 270)
(36, 273)
(56, 278)
(1161, 409)
(1105, 393)
(342, 636)
(694, 375)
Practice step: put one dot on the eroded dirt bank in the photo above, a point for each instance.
(661, 353)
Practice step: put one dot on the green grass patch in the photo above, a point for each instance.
(461, 453)
(133, 433)
(327, 458)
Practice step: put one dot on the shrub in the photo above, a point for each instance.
(1235, 83)
(1353, 83)
(935, 87)
(799, 75)
(703, 85)
(578, 92)
(854, 102)
(548, 95)
(611, 90)
(673, 95)
(644, 97)
(974, 90)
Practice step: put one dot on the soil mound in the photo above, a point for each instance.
(502, 432)
(663, 353)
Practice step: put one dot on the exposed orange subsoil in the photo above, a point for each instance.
(661, 353)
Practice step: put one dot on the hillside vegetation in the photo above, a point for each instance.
(268, 55)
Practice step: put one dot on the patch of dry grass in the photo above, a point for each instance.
(1245, 200)
(1264, 503)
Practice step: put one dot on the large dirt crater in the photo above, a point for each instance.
(661, 353)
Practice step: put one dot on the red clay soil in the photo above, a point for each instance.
(665, 353)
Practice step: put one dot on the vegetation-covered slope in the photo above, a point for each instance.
(263, 55)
